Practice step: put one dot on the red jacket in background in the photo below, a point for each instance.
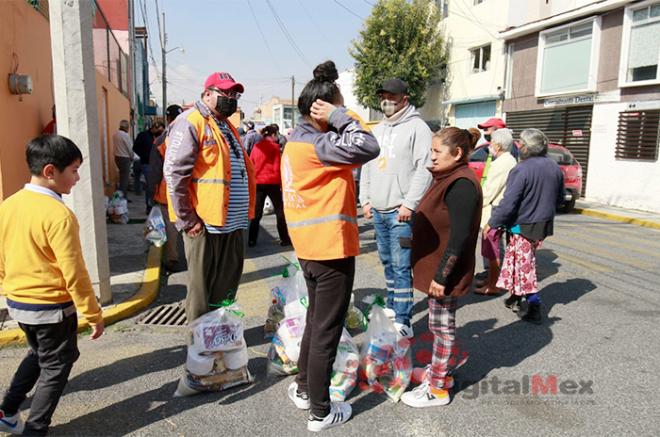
(266, 158)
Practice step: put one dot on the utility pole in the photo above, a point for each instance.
(293, 102)
(74, 84)
(163, 45)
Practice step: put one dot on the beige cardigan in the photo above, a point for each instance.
(493, 189)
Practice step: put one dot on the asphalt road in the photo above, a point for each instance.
(600, 341)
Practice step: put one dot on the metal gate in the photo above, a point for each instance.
(570, 127)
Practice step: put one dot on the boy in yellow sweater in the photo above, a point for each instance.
(44, 279)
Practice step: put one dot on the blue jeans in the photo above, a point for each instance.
(396, 262)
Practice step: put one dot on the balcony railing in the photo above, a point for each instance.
(109, 58)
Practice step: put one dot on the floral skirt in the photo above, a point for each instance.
(518, 274)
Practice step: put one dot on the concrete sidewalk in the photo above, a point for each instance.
(134, 270)
(599, 210)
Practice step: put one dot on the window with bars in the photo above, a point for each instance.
(638, 135)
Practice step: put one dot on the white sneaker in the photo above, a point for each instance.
(404, 330)
(389, 312)
(300, 399)
(422, 396)
(339, 413)
(11, 424)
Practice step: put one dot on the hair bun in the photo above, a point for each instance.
(475, 135)
(326, 72)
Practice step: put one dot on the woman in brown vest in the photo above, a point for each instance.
(444, 240)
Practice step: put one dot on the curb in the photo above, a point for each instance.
(140, 300)
(618, 218)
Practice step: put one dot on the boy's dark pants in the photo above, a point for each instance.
(53, 350)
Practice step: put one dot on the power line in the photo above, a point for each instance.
(369, 3)
(263, 36)
(348, 10)
(311, 18)
(143, 11)
(287, 35)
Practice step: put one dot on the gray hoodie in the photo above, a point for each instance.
(399, 175)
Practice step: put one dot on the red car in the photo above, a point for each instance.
(569, 166)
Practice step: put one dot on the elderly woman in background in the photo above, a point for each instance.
(493, 190)
(527, 212)
(445, 236)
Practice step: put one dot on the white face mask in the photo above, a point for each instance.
(388, 107)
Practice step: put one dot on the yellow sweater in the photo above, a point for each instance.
(40, 255)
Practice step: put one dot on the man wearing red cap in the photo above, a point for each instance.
(211, 190)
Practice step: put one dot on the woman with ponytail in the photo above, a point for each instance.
(444, 240)
(321, 214)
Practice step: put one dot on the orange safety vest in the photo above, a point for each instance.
(319, 204)
(160, 195)
(211, 175)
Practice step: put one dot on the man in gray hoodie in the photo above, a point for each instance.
(391, 187)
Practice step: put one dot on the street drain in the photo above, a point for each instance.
(166, 315)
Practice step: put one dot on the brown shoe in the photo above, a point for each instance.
(487, 291)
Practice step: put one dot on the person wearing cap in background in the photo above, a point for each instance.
(390, 190)
(211, 193)
(251, 137)
(482, 153)
(156, 186)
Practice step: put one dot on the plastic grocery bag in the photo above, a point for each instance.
(219, 330)
(218, 357)
(355, 319)
(290, 310)
(345, 369)
(154, 228)
(385, 355)
(290, 288)
(118, 208)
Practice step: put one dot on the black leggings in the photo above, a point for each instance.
(330, 284)
(274, 192)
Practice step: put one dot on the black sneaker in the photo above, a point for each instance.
(513, 303)
(533, 314)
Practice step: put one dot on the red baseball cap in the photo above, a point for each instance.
(224, 82)
(492, 122)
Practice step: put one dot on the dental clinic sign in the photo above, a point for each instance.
(584, 99)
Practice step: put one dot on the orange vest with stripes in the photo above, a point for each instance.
(160, 195)
(211, 175)
(319, 204)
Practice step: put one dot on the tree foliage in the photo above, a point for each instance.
(400, 39)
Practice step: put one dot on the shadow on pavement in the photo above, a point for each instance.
(491, 348)
(127, 369)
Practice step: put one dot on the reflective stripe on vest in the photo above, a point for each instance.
(210, 181)
(319, 220)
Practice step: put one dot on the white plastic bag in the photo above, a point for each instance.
(218, 330)
(118, 208)
(345, 368)
(385, 355)
(154, 228)
(218, 357)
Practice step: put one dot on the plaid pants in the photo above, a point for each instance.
(442, 324)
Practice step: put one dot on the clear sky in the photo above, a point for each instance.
(223, 35)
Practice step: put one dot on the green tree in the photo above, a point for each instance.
(400, 39)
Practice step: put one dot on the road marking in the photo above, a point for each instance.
(610, 242)
(609, 231)
(581, 262)
(591, 250)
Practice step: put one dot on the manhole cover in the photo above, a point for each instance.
(166, 315)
